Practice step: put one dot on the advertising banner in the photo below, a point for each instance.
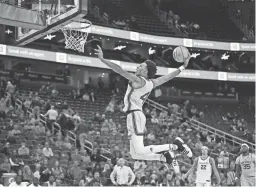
(28, 53)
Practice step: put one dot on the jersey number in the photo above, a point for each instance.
(203, 167)
(247, 166)
(144, 97)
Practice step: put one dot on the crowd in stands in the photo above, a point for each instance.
(41, 153)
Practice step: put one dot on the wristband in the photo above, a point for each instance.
(181, 68)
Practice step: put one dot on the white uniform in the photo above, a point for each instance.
(133, 103)
(247, 164)
(204, 172)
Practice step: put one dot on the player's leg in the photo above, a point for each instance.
(150, 156)
(244, 182)
(136, 122)
(247, 181)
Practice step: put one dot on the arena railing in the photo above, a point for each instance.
(226, 136)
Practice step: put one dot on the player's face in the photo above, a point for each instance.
(244, 149)
(141, 69)
(204, 151)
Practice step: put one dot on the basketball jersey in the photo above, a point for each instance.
(204, 170)
(135, 97)
(247, 164)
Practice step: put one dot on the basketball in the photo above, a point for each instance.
(180, 54)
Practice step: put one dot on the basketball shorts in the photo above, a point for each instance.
(248, 181)
(136, 123)
(203, 184)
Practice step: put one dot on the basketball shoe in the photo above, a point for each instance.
(169, 156)
(182, 148)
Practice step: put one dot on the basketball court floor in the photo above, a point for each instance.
(38, 18)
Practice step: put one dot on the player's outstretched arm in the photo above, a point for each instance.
(116, 68)
(163, 79)
(216, 173)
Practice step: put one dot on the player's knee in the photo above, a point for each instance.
(134, 155)
(137, 155)
(190, 154)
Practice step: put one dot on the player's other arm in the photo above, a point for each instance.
(163, 79)
(216, 173)
(192, 169)
(238, 168)
(116, 68)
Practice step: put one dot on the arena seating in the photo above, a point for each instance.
(215, 23)
(107, 141)
(146, 20)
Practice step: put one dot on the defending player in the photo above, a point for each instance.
(139, 88)
(245, 164)
(203, 165)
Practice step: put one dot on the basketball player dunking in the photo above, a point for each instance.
(139, 88)
(245, 164)
(203, 165)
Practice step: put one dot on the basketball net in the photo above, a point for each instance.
(76, 36)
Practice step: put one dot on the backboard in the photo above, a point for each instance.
(58, 13)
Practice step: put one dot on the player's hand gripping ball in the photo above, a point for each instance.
(180, 54)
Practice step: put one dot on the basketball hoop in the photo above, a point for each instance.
(76, 34)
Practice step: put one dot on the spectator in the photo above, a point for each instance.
(85, 157)
(23, 150)
(133, 25)
(92, 97)
(15, 162)
(27, 174)
(40, 129)
(57, 170)
(224, 152)
(51, 182)
(76, 172)
(106, 174)
(139, 167)
(100, 83)
(86, 97)
(139, 180)
(47, 151)
(231, 175)
(112, 125)
(45, 171)
(10, 88)
(122, 175)
(105, 126)
(96, 156)
(3, 106)
(96, 181)
(52, 115)
(6, 150)
(15, 131)
(67, 143)
(154, 120)
(35, 182)
(37, 171)
(151, 136)
(84, 181)
(18, 182)
(5, 167)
